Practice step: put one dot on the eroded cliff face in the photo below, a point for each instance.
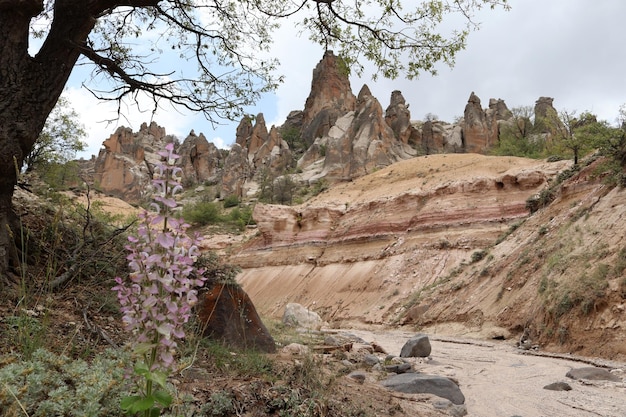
(376, 240)
(446, 242)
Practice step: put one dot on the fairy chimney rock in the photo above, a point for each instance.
(398, 117)
(479, 131)
(330, 98)
(122, 167)
(199, 159)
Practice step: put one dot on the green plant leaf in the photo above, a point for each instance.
(143, 348)
(159, 377)
(135, 403)
(163, 398)
(127, 402)
(142, 404)
(142, 369)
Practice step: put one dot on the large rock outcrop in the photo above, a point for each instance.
(479, 131)
(357, 251)
(359, 143)
(257, 154)
(398, 117)
(123, 166)
(228, 316)
(200, 160)
(236, 171)
(330, 98)
(546, 117)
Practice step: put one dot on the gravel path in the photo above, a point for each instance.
(499, 380)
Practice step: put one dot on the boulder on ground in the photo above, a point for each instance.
(228, 315)
(416, 347)
(558, 386)
(414, 383)
(297, 315)
(592, 373)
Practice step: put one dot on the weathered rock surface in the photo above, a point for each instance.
(416, 347)
(414, 383)
(330, 98)
(123, 167)
(360, 142)
(480, 132)
(398, 117)
(593, 374)
(236, 171)
(360, 250)
(297, 315)
(200, 160)
(229, 316)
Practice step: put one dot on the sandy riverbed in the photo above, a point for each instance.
(499, 380)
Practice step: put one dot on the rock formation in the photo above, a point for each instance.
(228, 315)
(200, 160)
(258, 135)
(123, 167)
(244, 132)
(479, 131)
(236, 171)
(340, 137)
(256, 155)
(331, 97)
(358, 143)
(369, 234)
(546, 117)
(398, 117)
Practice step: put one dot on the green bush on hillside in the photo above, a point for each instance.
(202, 213)
(231, 201)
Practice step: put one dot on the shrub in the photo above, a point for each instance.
(231, 201)
(478, 255)
(202, 213)
(50, 384)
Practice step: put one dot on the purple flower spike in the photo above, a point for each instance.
(157, 296)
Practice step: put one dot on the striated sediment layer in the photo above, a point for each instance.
(357, 251)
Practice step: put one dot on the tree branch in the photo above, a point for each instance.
(30, 8)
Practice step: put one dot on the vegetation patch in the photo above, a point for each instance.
(585, 291)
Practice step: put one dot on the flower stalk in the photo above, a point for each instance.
(158, 295)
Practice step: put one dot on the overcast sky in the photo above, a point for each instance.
(571, 50)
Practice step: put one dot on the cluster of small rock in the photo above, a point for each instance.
(368, 362)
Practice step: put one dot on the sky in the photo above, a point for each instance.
(570, 50)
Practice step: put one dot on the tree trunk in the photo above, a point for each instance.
(29, 89)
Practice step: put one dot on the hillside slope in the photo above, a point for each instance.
(415, 244)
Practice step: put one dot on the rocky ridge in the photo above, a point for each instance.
(336, 137)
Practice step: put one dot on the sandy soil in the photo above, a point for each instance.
(498, 380)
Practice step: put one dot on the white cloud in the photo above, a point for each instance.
(566, 49)
(219, 142)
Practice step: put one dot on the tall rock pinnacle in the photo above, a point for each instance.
(330, 98)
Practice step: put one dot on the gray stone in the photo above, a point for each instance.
(558, 386)
(298, 316)
(358, 376)
(371, 360)
(399, 368)
(592, 373)
(416, 347)
(333, 341)
(414, 383)
(458, 411)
